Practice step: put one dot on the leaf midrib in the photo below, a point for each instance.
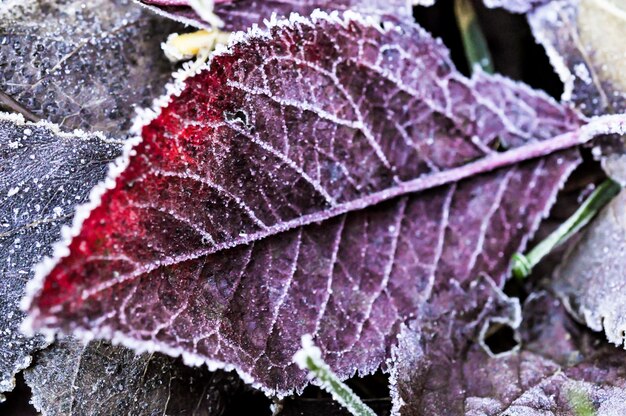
(428, 181)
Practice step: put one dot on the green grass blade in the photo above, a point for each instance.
(522, 264)
(474, 43)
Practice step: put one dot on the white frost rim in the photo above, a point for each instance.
(550, 11)
(77, 134)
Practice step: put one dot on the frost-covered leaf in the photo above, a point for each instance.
(83, 64)
(101, 379)
(44, 174)
(591, 278)
(326, 176)
(580, 39)
(427, 364)
(558, 368)
(241, 14)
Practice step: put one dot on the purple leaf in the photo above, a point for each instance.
(558, 369)
(44, 174)
(241, 14)
(326, 176)
(87, 68)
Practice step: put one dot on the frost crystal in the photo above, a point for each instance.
(243, 14)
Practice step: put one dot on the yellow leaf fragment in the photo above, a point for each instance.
(186, 46)
(602, 30)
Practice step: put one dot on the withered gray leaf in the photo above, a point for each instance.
(591, 278)
(559, 368)
(580, 40)
(71, 378)
(44, 174)
(83, 64)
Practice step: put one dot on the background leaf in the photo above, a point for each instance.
(44, 174)
(578, 38)
(101, 379)
(83, 67)
(591, 277)
(559, 370)
(514, 6)
(257, 207)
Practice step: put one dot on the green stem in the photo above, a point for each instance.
(580, 403)
(474, 43)
(310, 358)
(523, 264)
